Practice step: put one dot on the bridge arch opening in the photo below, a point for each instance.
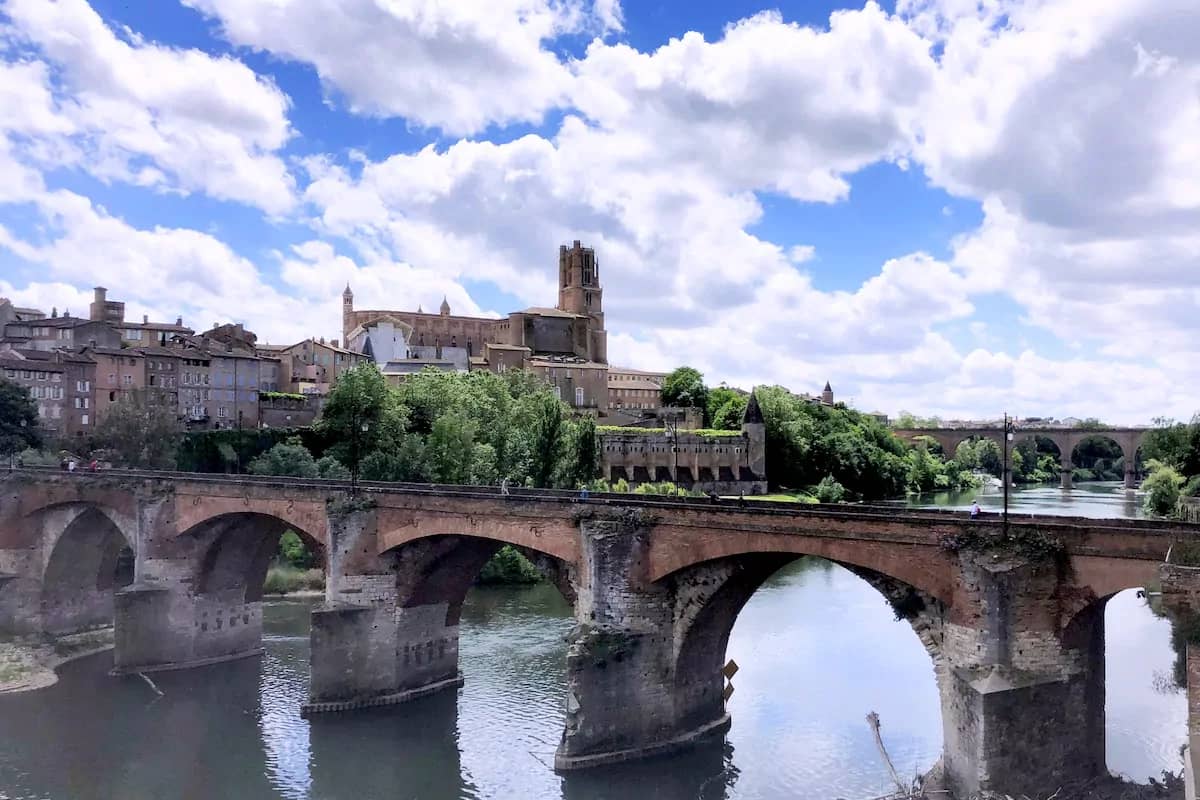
(1144, 719)
(1099, 457)
(839, 631)
(88, 563)
(236, 550)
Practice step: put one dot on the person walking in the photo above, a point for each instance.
(974, 509)
(504, 487)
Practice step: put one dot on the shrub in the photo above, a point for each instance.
(284, 579)
(830, 491)
(509, 566)
(1162, 491)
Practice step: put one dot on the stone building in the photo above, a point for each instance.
(727, 463)
(60, 384)
(635, 390)
(144, 333)
(567, 344)
(54, 331)
(310, 366)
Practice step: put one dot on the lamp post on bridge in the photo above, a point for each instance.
(356, 456)
(1004, 476)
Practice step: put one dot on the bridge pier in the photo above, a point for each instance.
(626, 699)
(1022, 701)
(1066, 471)
(197, 601)
(388, 629)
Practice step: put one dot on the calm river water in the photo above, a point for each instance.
(818, 649)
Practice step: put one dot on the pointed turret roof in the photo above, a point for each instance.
(753, 414)
(445, 309)
(347, 292)
(828, 388)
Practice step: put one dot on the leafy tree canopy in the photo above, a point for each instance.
(18, 419)
(684, 388)
(141, 430)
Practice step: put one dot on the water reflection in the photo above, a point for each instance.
(1098, 499)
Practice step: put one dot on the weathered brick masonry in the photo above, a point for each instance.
(1013, 625)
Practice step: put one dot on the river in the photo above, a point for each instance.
(818, 649)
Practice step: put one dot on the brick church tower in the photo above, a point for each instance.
(579, 292)
(347, 315)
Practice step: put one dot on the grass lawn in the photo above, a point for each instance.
(784, 498)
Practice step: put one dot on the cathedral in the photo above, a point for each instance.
(567, 344)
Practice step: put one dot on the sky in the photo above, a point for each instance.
(947, 207)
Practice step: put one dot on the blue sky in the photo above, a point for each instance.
(928, 204)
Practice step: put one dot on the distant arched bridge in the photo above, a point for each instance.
(1013, 621)
(1065, 439)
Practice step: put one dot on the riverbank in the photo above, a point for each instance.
(29, 664)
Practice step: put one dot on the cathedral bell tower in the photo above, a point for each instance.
(347, 314)
(579, 292)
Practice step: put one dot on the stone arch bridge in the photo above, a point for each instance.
(1012, 617)
(1065, 439)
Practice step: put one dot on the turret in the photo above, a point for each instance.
(754, 428)
(445, 309)
(827, 394)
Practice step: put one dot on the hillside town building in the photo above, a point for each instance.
(567, 345)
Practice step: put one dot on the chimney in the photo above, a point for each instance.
(179, 322)
(100, 294)
(54, 313)
(333, 342)
(145, 318)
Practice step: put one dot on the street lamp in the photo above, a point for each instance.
(1008, 437)
(355, 431)
(672, 426)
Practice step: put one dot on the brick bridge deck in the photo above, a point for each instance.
(1014, 626)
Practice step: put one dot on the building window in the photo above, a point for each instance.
(56, 377)
(41, 376)
(83, 386)
(557, 392)
(83, 419)
(127, 380)
(112, 397)
(578, 396)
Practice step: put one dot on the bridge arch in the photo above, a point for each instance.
(232, 551)
(927, 569)
(711, 596)
(86, 562)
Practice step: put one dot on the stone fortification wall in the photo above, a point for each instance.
(707, 463)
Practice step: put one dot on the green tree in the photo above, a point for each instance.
(286, 458)
(360, 415)
(140, 430)
(684, 388)
(726, 407)
(293, 550)
(18, 419)
(450, 448)
(547, 440)
(332, 469)
(1162, 489)
(584, 464)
